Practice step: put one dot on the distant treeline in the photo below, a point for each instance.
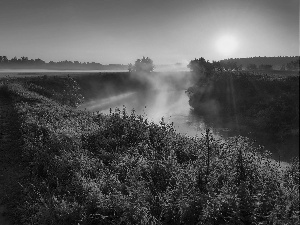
(25, 63)
(266, 63)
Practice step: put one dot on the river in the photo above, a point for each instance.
(171, 105)
(166, 98)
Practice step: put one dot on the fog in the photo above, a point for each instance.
(155, 96)
(163, 95)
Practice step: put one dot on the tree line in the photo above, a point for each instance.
(267, 63)
(26, 63)
(202, 66)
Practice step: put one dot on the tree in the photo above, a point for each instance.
(142, 65)
(39, 62)
(217, 66)
(201, 69)
(24, 59)
(130, 68)
(14, 60)
(201, 66)
(230, 65)
(4, 59)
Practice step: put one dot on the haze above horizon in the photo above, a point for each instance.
(169, 31)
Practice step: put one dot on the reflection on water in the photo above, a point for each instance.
(173, 106)
(102, 105)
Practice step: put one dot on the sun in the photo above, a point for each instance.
(226, 45)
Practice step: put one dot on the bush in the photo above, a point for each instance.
(121, 169)
(261, 103)
(144, 65)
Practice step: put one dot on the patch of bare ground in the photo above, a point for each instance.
(11, 165)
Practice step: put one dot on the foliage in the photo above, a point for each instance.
(142, 65)
(276, 62)
(121, 169)
(231, 66)
(26, 63)
(264, 103)
(201, 68)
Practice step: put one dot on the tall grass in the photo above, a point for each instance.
(121, 169)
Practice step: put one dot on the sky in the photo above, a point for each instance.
(167, 31)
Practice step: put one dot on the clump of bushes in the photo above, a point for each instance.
(264, 104)
(121, 169)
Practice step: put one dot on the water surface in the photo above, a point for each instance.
(168, 100)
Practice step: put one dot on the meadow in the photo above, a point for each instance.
(91, 168)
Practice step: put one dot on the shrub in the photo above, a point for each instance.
(121, 169)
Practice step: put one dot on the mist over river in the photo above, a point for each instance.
(166, 97)
(172, 105)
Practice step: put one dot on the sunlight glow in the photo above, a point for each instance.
(227, 45)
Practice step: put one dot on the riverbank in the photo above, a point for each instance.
(86, 168)
(263, 107)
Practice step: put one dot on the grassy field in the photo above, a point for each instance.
(85, 168)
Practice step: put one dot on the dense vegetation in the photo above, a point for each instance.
(26, 63)
(261, 103)
(268, 104)
(90, 168)
(282, 63)
(277, 63)
(143, 65)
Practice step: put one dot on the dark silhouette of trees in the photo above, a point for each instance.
(142, 65)
(276, 62)
(3, 60)
(25, 63)
(39, 62)
(24, 59)
(130, 68)
(201, 69)
(231, 65)
(200, 66)
(217, 66)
